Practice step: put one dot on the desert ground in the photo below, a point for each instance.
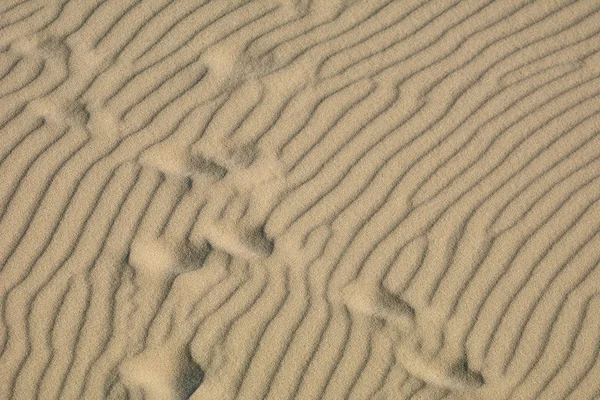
(299, 199)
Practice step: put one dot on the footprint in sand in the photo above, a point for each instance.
(163, 373)
(398, 317)
(162, 259)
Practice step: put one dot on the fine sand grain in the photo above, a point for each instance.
(300, 199)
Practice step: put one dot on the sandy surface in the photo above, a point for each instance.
(299, 199)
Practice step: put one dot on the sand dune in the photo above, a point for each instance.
(299, 199)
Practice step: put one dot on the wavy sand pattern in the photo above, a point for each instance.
(299, 199)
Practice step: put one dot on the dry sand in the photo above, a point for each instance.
(299, 199)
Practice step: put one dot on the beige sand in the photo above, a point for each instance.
(299, 199)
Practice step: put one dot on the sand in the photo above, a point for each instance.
(299, 199)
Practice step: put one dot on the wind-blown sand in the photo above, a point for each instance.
(299, 199)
